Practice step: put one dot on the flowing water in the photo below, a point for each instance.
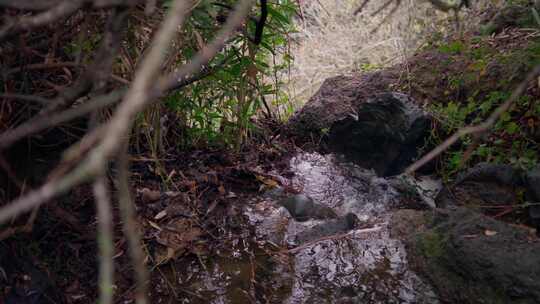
(314, 261)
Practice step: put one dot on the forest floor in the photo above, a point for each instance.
(201, 192)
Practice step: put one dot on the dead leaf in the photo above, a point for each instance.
(155, 225)
(148, 196)
(160, 215)
(488, 232)
(177, 238)
(119, 254)
(221, 190)
(211, 207)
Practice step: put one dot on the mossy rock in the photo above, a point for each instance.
(470, 258)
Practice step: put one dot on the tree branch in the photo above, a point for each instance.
(62, 9)
(105, 239)
(131, 231)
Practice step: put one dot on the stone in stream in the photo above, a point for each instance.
(336, 226)
(303, 208)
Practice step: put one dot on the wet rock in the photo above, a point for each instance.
(384, 134)
(416, 192)
(331, 227)
(483, 185)
(377, 130)
(303, 208)
(471, 258)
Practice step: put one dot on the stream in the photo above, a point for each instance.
(314, 261)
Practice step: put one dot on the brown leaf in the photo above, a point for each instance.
(488, 232)
(148, 196)
(221, 190)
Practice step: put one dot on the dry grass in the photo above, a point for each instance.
(331, 40)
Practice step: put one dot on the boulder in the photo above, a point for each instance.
(471, 258)
(484, 184)
(335, 99)
(493, 186)
(358, 118)
(384, 133)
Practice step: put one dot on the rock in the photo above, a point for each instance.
(372, 127)
(483, 185)
(532, 183)
(303, 208)
(339, 225)
(384, 134)
(336, 98)
(471, 258)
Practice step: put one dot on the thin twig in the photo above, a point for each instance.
(478, 129)
(331, 237)
(41, 123)
(63, 9)
(41, 66)
(32, 98)
(97, 74)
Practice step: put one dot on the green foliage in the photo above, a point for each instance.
(509, 142)
(455, 47)
(220, 108)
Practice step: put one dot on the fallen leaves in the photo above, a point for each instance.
(177, 238)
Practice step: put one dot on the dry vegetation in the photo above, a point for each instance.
(331, 40)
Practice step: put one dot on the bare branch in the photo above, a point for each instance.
(98, 73)
(41, 123)
(34, 5)
(32, 98)
(105, 239)
(44, 122)
(128, 214)
(41, 66)
(63, 9)
(45, 193)
(478, 129)
(134, 102)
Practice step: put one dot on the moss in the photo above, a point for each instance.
(431, 244)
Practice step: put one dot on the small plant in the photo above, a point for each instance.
(219, 109)
(509, 142)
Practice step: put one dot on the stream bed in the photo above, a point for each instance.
(350, 258)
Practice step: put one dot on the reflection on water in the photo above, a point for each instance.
(286, 261)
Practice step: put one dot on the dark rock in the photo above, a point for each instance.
(376, 129)
(471, 258)
(483, 185)
(339, 225)
(303, 208)
(532, 183)
(384, 134)
(336, 98)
